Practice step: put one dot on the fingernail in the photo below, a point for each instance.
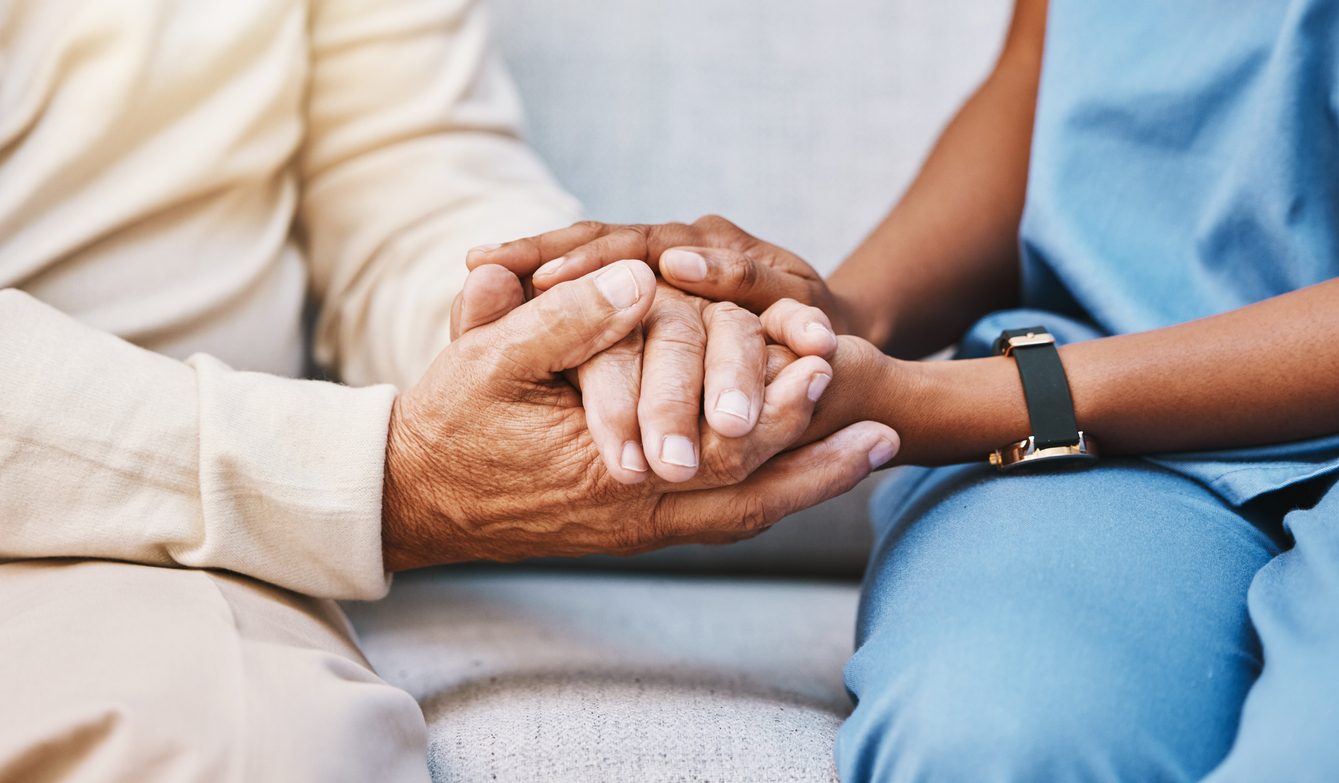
(735, 403)
(475, 251)
(632, 458)
(685, 265)
(817, 385)
(551, 267)
(618, 286)
(880, 454)
(678, 450)
(815, 326)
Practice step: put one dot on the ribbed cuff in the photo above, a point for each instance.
(291, 480)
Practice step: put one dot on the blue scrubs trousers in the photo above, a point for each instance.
(1117, 623)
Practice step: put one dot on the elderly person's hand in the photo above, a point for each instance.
(690, 356)
(489, 457)
(711, 257)
(719, 276)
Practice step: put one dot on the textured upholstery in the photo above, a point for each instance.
(801, 121)
(555, 676)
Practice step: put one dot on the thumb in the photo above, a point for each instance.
(572, 321)
(490, 292)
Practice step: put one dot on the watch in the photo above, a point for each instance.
(1055, 436)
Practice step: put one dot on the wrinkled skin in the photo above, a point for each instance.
(490, 457)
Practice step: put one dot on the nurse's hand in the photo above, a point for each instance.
(711, 257)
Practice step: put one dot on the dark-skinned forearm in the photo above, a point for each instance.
(948, 252)
(1266, 373)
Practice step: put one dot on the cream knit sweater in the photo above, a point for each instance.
(175, 177)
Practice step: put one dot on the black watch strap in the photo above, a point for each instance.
(1049, 404)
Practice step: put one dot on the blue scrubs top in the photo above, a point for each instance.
(1185, 162)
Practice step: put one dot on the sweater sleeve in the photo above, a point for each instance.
(412, 156)
(111, 451)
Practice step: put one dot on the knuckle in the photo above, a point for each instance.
(623, 356)
(531, 246)
(753, 514)
(619, 417)
(675, 327)
(735, 317)
(624, 242)
(783, 313)
(680, 338)
(713, 223)
(732, 311)
(730, 467)
(745, 242)
(592, 226)
(668, 408)
(671, 229)
(812, 313)
(610, 401)
(629, 538)
(750, 328)
(745, 272)
(558, 302)
(655, 527)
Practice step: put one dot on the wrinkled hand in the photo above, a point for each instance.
(689, 357)
(489, 456)
(711, 257)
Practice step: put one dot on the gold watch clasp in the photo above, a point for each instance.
(1025, 452)
(1024, 340)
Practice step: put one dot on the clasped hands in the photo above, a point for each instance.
(615, 412)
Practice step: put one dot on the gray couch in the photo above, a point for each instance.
(801, 121)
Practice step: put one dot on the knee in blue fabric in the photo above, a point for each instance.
(1085, 626)
(957, 720)
(1291, 718)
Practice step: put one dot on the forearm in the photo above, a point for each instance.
(113, 452)
(952, 240)
(1265, 373)
(402, 173)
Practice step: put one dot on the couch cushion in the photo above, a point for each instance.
(552, 676)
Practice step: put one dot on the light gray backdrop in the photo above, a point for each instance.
(800, 120)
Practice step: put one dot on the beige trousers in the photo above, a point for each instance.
(112, 671)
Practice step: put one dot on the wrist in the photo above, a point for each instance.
(955, 411)
(851, 313)
(405, 519)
